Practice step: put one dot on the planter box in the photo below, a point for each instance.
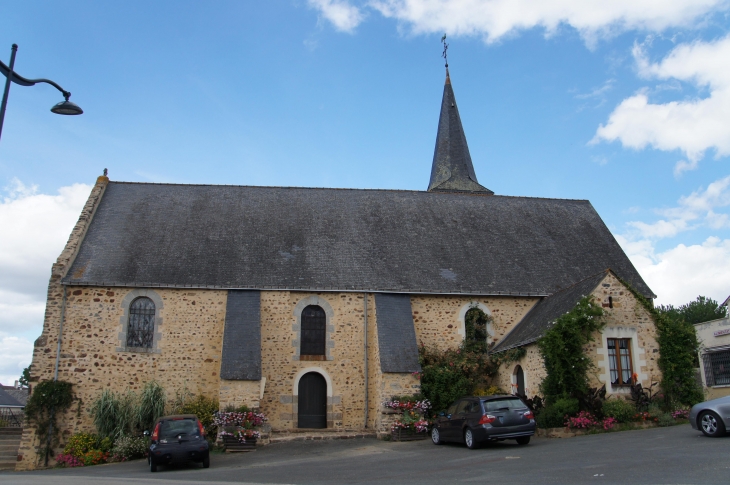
(400, 434)
(233, 445)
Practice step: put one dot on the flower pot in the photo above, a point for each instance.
(233, 445)
(407, 434)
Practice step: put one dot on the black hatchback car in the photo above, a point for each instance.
(475, 420)
(178, 439)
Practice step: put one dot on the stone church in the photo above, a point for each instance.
(310, 303)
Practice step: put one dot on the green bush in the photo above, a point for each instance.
(553, 415)
(665, 419)
(447, 375)
(619, 409)
(129, 447)
(81, 443)
(106, 444)
(203, 407)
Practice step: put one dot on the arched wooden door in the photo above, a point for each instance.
(520, 377)
(312, 403)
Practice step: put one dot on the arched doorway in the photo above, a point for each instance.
(520, 380)
(312, 402)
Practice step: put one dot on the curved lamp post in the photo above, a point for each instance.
(63, 108)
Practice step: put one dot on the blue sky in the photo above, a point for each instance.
(624, 103)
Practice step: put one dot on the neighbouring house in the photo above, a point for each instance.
(11, 410)
(19, 392)
(310, 303)
(714, 340)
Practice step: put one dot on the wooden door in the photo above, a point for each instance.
(312, 402)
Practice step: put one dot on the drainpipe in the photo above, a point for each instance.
(365, 317)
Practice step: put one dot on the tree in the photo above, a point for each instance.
(703, 309)
(25, 377)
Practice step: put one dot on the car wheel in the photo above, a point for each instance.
(206, 462)
(523, 440)
(153, 465)
(711, 424)
(436, 437)
(469, 440)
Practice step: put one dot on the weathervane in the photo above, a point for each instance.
(446, 47)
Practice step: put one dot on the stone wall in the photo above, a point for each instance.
(44, 348)
(343, 369)
(439, 320)
(532, 368)
(93, 355)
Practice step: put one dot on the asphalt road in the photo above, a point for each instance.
(676, 455)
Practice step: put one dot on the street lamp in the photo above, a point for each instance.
(63, 108)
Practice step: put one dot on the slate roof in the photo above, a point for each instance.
(241, 353)
(396, 333)
(239, 237)
(21, 395)
(8, 401)
(452, 169)
(546, 311)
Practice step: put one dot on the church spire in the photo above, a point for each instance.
(452, 170)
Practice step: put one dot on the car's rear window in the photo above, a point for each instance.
(500, 404)
(174, 427)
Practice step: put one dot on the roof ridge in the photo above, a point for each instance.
(459, 193)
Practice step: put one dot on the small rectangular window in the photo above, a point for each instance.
(717, 368)
(619, 360)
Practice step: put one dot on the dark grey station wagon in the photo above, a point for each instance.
(475, 420)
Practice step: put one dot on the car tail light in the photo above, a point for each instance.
(156, 433)
(200, 427)
(487, 419)
(529, 415)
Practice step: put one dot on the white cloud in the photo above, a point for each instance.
(15, 355)
(494, 19)
(344, 16)
(692, 126)
(693, 211)
(36, 228)
(681, 274)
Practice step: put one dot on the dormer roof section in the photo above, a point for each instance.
(452, 170)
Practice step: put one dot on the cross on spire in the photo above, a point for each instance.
(446, 48)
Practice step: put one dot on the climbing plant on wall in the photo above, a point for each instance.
(48, 400)
(562, 349)
(678, 347)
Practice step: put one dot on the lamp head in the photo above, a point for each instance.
(67, 108)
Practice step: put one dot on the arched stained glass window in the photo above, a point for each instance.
(314, 331)
(141, 329)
